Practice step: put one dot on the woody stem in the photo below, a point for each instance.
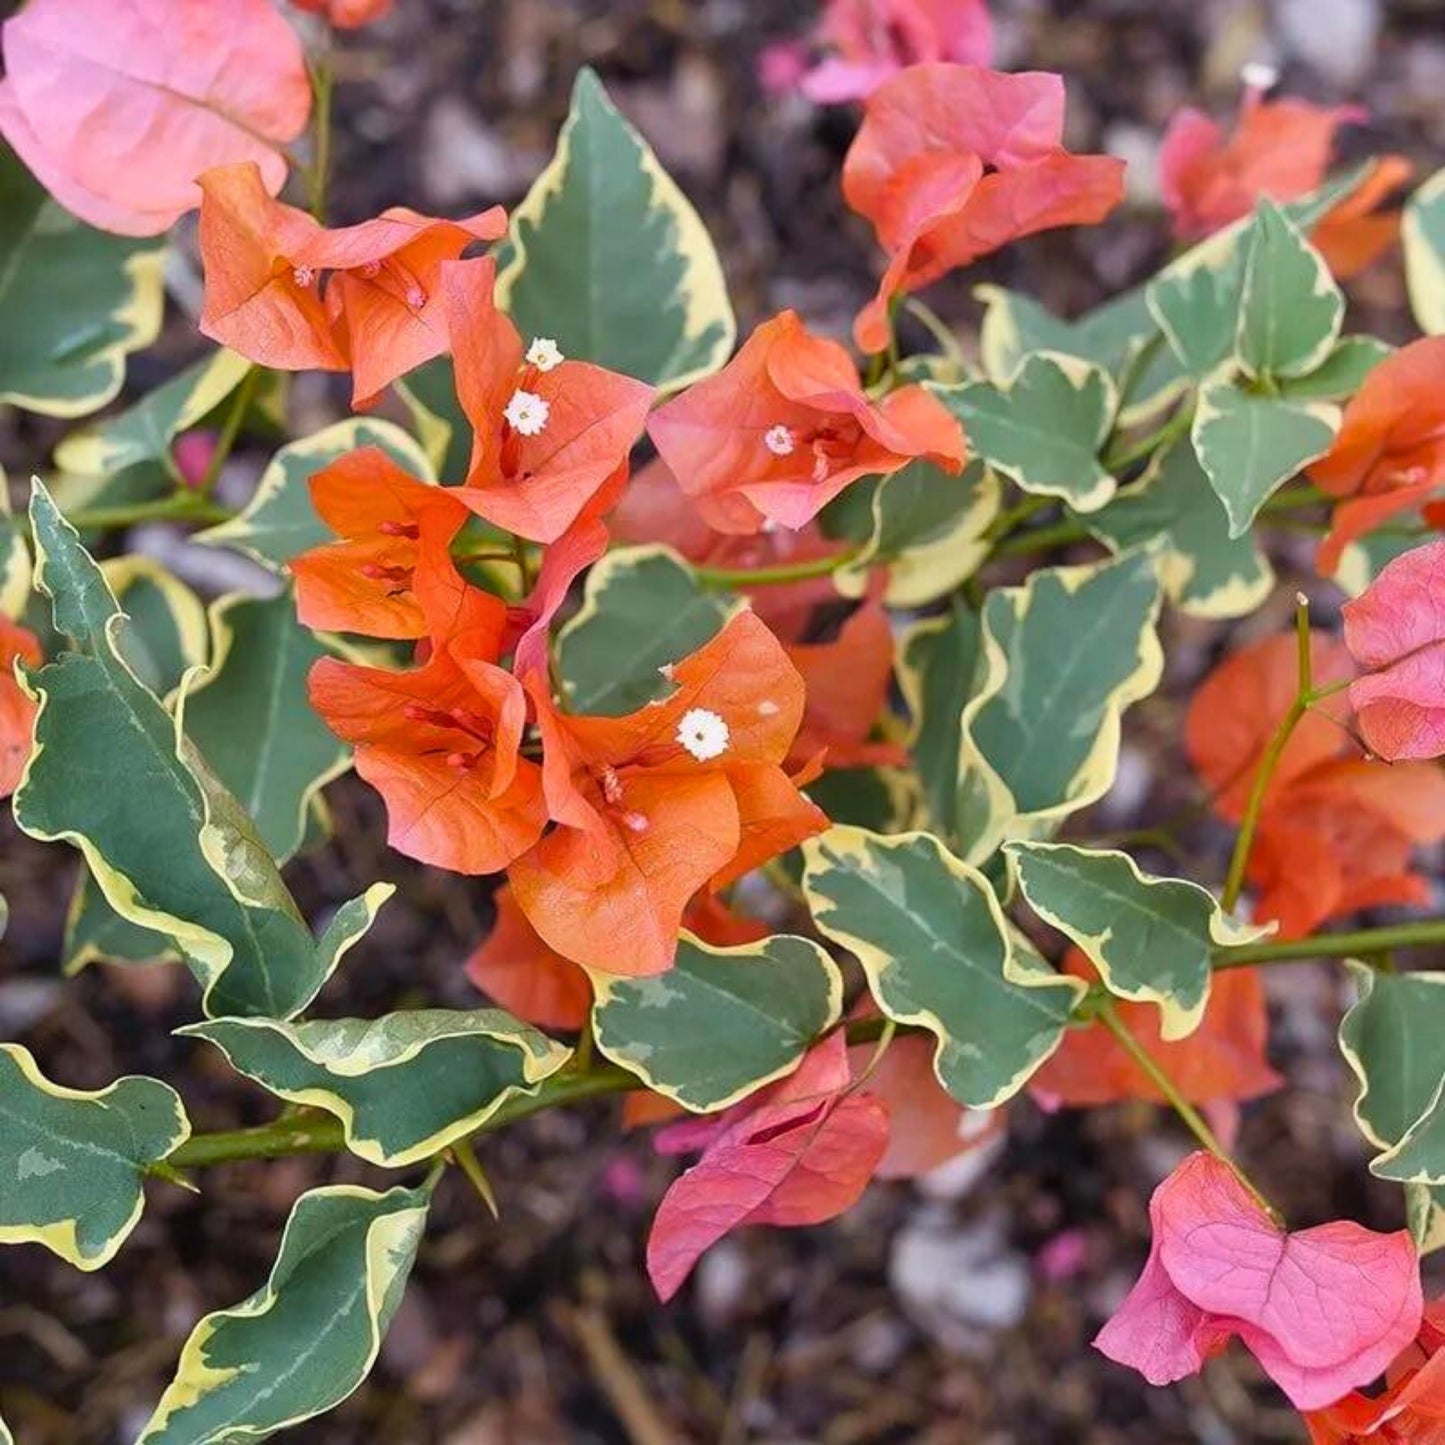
(1191, 1117)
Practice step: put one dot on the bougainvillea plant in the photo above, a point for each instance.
(764, 690)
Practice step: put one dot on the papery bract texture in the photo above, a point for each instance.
(653, 806)
(785, 426)
(1411, 1409)
(441, 744)
(1279, 148)
(1396, 630)
(119, 105)
(551, 436)
(954, 161)
(392, 559)
(17, 711)
(1221, 1062)
(1389, 455)
(1323, 1310)
(799, 1152)
(872, 40)
(1336, 830)
(516, 968)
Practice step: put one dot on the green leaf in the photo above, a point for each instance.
(1249, 446)
(722, 1022)
(1173, 509)
(96, 933)
(73, 301)
(1015, 325)
(112, 773)
(938, 664)
(166, 633)
(279, 522)
(72, 1162)
(936, 948)
(1341, 374)
(1064, 656)
(430, 395)
(611, 260)
(1196, 302)
(310, 1335)
(642, 608)
(1393, 1038)
(252, 719)
(404, 1086)
(15, 568)
(1366, 557)
(144, 432)
(1423, 233)
(1425, 1216)
(1045, 428)
(1150, 938)
(1290, 308)
(927, 528)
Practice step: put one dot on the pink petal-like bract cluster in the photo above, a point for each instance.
(1324, 1310)
(1396, 630)
(118, 105)
(800, 1153)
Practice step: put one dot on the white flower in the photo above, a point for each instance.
(703, 733)
(526, 413)
(303, 276)
(779, 440)
(544, 353)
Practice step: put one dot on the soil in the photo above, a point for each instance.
(957, 1312)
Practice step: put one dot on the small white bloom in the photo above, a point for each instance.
(780, 441)
(703, 733)
(1259, 75)
(303, 276)
(526, 413)
(544, 353)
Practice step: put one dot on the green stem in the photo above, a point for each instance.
(1120, 457)
(1192, 1118)
(230, 430)
(931, 322)
(1331, 945)
(745, 577)
(323, 82)
(182, 507)
(324, 1135)
(1269, 761)
(1042, 539)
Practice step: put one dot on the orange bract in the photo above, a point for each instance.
(550, 436)
(391, 568)
(381, 312)
(1410, 1411)
(517, 969)
(347, 14)
(17, 711)
(1336, 831)
(1222, 1061)
(1389, 456)
(441, 745)
(954, 161)
(652, 806)
(785, 426)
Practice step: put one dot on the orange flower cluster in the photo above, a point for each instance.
(608, 827)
